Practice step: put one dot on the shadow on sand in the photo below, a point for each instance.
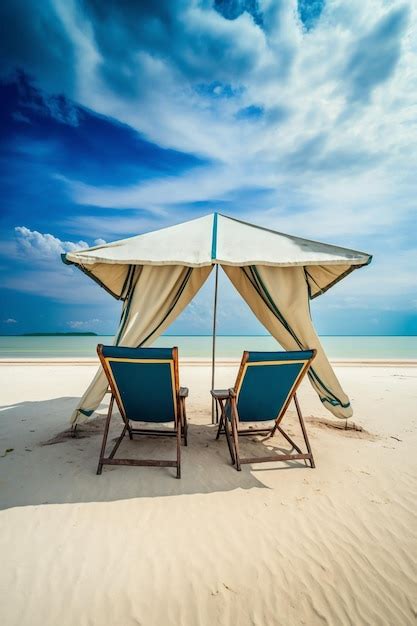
(41, 464)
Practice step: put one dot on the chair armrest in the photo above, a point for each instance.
(222, 394)
(183, 392)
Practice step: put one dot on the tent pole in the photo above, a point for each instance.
(214, 418)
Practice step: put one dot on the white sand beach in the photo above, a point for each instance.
(273, 544)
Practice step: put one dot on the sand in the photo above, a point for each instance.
(273, 544)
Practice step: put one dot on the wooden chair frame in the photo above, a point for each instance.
(179, 431)
(224, 396)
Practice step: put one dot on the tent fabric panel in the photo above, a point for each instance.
(157, 295)
(189, 243)
(279, 298)
(321, 277)
(240, 243)
(112, 278)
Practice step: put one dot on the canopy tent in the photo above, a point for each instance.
(157, 274)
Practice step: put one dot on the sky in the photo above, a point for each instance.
(119, 118)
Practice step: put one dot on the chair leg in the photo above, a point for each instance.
(185, 432)
(179, 448)
(236, 443)
(185, 424)
(223, 423)
(229, 441)
(118, 442)
(219, 430)
(303, 428)
(235, 434)
(105, 435)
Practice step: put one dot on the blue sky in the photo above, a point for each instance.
(120, 118)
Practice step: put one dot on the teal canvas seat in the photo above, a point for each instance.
(265, 386)
(144, 382)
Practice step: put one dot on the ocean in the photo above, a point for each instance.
(200, 346)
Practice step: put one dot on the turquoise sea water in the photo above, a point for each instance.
(200, 346)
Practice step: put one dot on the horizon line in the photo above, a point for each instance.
(62, 334)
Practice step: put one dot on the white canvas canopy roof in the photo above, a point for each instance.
(157, 274)
(217, 239)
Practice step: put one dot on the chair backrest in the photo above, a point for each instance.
(267, 381)
(144, 381)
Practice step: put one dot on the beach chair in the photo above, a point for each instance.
(145, 384)
(265, 385)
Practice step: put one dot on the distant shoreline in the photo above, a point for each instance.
(92, 334)
(87, 334)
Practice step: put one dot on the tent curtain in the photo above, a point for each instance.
(279, 297)
(156, 295)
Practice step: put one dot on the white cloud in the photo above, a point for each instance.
(85, 324)
(33, 243)
(10, 320)
(206, 182)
